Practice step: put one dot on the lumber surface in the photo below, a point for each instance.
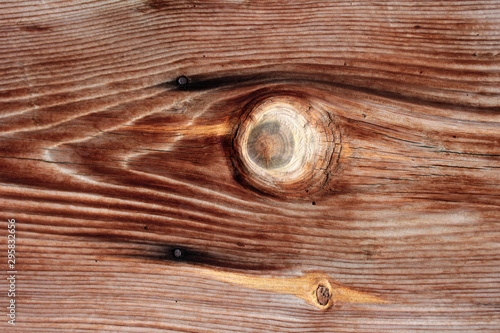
(137, 211)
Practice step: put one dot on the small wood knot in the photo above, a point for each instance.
(323, 295)
(182, 80)
(284, 146)
(177, 253)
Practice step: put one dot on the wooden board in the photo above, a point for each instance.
(132, 213)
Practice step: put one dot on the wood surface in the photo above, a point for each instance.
(133, 216)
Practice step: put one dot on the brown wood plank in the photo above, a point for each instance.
(108, 166)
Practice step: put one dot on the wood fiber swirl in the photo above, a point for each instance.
(134, 215)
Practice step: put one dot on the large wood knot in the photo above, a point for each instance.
(284, 146)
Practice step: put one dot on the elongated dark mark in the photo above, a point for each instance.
(199, 83)
(162, 252)
(34, 28)
(325, 77)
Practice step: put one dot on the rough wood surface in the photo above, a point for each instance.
(131, 215)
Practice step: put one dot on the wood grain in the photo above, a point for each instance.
(109, 165)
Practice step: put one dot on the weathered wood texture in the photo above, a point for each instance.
(108, 165)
